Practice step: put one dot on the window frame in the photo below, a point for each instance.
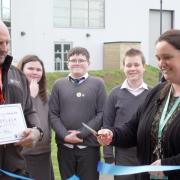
(7, 21)
(62, 64)
(68, 23)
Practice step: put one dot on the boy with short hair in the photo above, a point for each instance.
(75, 99)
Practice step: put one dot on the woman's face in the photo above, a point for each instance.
(168, 61)
(33, 70)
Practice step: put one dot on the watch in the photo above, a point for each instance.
(40, 131)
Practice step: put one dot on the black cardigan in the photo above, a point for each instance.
(137, 132)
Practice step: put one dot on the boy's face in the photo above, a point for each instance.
(133, 68)
(78, 65)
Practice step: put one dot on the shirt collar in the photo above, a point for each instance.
(85, 76)
(125, 85)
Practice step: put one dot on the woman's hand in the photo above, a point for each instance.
(158, 174)
(104, 137)
(34, 88)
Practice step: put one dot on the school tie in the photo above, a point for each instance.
(76, 81)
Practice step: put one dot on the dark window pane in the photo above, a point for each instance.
(58, 48)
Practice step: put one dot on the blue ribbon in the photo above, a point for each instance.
(14, 175)
(73, 178)
(111, 169)
(115, 170)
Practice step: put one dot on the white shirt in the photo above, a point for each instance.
(136, 91)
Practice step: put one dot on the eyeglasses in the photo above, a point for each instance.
(79, 61)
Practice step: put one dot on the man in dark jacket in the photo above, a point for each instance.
(14, 89)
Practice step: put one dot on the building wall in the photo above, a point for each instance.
(34, 17)
(114, 53)
(125, 21)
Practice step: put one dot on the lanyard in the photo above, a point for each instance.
(164, 117)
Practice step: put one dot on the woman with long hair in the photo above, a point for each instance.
(38, 158)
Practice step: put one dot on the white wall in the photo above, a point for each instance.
(125, 21)
(34, 17)
(78, 37)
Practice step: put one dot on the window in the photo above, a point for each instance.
(5, 10)
(60, 55)
(5, 15)
(79, 13)
(154, 29)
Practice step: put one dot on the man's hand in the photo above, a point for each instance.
(104, 137)
(30, 137)
(72, 137)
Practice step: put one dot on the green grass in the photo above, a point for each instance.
(54, 158)
(112, 79)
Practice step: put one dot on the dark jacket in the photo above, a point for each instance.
(16, 90)
(137, 132)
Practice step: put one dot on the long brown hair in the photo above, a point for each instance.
(43, 81)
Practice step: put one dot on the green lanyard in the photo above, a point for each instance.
(164, 117)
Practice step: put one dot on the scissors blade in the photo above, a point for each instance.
(90, 129)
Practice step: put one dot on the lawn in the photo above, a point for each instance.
(112, 79)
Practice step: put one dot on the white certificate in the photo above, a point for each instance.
(12, 123)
